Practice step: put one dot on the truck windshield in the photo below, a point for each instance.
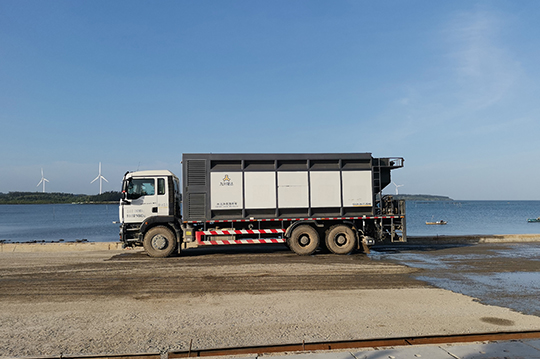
(140, 187)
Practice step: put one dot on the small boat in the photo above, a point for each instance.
(531, 220)
(441, 222)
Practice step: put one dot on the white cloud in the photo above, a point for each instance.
(470, 113)
(474, 85)
(485, 70)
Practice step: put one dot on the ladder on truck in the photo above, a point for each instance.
(391, 224)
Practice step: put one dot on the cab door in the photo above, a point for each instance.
(163, 196)
(142, 195)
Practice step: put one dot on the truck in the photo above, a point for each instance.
(306, 201)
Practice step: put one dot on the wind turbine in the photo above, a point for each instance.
(100, 178)
(397, 186)
(42, 181)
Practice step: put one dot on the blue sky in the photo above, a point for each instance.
(451, 86)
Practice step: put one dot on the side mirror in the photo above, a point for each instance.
(124, 198)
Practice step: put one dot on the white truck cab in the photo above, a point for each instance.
(150, 198)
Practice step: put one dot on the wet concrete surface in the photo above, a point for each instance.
(36, 277)
(506, 275)
(123, 301)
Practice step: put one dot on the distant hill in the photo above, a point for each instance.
(422, 197)
(54, 197)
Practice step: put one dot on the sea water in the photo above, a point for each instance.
(472, 217)
(55, 222)
(94, 222)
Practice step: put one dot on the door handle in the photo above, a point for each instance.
(154, 209)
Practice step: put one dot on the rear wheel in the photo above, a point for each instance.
(304, 240)
(159, 242)
(340, 239)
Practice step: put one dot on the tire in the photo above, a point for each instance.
(304, 240)
(340, 239)
(159, 242)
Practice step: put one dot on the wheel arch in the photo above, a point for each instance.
(354, 227)
(166, 221)
(291, 228)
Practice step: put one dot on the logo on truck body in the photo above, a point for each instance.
(226, 181)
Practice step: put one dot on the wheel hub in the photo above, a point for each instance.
(304, 240)
(341, 240)
(159, 242)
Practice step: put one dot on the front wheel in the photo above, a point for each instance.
(304, 240)
(159, 242)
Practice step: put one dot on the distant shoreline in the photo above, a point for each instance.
(421, 197)
(49, 203)
(58, 198)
